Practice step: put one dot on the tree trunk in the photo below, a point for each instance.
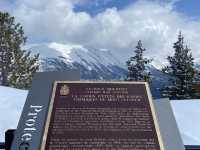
(4, 78)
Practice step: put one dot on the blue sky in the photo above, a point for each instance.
(93, 7)
(190, 8)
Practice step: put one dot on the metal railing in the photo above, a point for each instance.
(2, 145)
(9, 134)
(192, 147)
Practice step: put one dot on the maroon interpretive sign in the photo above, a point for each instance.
(101, 115)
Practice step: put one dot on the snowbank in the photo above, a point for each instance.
(187, 114)
(11, 104)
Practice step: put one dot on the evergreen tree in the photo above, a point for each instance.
(181, 68)
(16, 65)
(137, 65)
(196, 86)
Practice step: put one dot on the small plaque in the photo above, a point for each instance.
(101, 115)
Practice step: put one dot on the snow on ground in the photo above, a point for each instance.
(11, 104)
(187, 114)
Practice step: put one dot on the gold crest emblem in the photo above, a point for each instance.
(64, 90)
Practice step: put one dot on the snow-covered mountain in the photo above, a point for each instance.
(86, 56)
(198, 67)
(94, 64)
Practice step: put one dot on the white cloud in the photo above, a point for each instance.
(156, 24)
